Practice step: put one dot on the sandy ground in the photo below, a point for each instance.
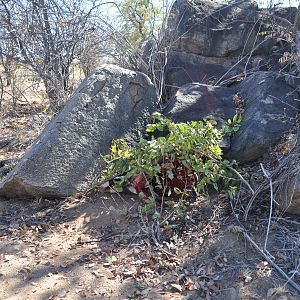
(100, 247)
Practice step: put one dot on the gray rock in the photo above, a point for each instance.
(287, 13)
(183, 68)
(213, 29)
(270, 109)
(271, 106)
(109, 104)
(206, 39)
(195, 101)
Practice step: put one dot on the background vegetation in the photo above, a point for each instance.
(60, 42)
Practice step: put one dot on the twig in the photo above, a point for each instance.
(166, 252)
(267, 175)
(252, 50)
(242, 179)
(1, 91)
(236, 64)
(103, 238)
(287, 24)
(263, 186)
(266, 257)
(134, 237)
(271, 262)
(155, 231)
(287, 220)
(285, 103)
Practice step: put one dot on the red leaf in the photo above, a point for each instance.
(140, 183)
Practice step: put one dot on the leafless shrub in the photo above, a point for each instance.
(46, 36)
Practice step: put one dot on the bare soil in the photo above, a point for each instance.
(99, 248)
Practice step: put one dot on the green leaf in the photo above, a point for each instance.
(118, 189)
(157, 115)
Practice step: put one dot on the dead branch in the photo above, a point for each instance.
(272, 263)
(266, 255)
(267, 175)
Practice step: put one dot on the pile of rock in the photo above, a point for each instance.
(223, 60)
(211, 42)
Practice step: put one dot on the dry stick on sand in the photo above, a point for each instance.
(261, 188)
(267, 174)
(272, 263)
(269, 258)
(242, 179)
(265, 255)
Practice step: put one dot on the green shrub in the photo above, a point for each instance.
(185, 160)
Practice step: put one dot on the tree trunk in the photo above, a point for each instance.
(53, 92)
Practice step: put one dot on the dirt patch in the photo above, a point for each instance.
(101, 247)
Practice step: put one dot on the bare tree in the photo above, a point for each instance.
(47, 35)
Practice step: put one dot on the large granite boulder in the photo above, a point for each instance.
(270, 106)
(213, 29)
(206, 40)
(111, 103)
(216, 29)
